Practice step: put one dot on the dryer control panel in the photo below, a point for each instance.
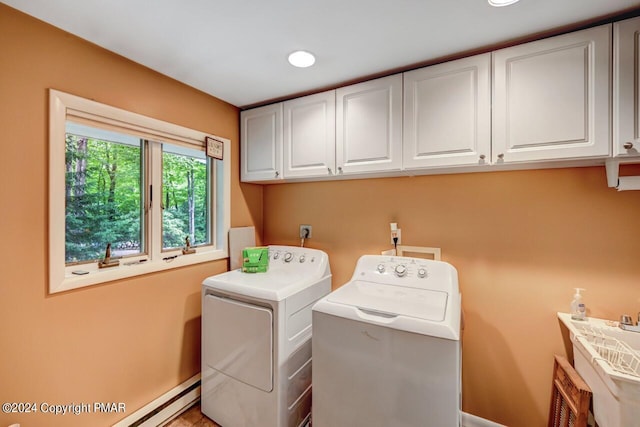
(291, 254)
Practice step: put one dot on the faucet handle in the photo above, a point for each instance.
(625, 319)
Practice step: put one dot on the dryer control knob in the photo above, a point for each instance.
(400, 270)
(302, 258)
(422, 272)
(288, 257)
(380, 268)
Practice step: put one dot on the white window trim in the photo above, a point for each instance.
(60, 278)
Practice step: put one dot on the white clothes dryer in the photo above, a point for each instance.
(386, 347)
(256, 340)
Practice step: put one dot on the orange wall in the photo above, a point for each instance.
(520, 241)
(127, 341)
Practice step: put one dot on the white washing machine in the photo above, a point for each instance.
(386, 347)
(256, 340)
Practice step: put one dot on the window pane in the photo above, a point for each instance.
(185, 197)
(103, 194)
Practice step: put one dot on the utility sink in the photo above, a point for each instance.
(608, 359)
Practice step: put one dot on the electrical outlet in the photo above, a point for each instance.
(397, 233)
(305, 231)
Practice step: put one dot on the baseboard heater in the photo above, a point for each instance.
(165, 407)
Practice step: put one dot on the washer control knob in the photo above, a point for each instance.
(401, 270)
(288, 257)
(380, 268)
(422, 272)
(302, 258)
(276, 255)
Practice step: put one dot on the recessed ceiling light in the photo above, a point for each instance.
(301, 59)
(500, 3)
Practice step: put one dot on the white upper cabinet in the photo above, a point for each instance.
(261, 143)
(570, 97)
(447, 114)
(310, 135)
(626, 90)
(369, 126)
(551, 98)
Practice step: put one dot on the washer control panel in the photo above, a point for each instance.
(398, 270)
(407, 271)
(400, 267)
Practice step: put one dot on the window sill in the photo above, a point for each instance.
(124, 271)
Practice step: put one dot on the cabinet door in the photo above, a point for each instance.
(552, 98)
(626, 90)
(369, 126)
(261, 143)
(447, 114)
(310, 135)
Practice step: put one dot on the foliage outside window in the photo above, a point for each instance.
(141, 185)
(185, 197)
(103, 194)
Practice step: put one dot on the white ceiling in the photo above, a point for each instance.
(237, 50)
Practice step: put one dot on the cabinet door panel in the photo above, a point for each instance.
(447, 114)
(560, 89)
(369, 126)
(551, 98)
(261, 143)
(626, 88)
(309, 135)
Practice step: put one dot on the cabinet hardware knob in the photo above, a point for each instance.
(329, 169)
(339, 169)
(277, 174)
(628, 145)
(482, 156)
(501, 156)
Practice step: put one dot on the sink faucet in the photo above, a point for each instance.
(626, 323)
(625, 319)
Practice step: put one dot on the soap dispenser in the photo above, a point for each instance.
(578, 309)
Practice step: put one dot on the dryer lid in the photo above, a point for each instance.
(392, 300)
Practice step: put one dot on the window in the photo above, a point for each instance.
(103, 194)
(185, 197)
(142, 187)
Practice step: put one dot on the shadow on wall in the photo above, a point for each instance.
(190, 350)
(566, 341)
(252, 197)
(497, 362)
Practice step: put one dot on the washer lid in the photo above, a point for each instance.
(392, 300)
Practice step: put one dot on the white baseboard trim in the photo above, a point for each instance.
(469, 420)
(165, 407)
